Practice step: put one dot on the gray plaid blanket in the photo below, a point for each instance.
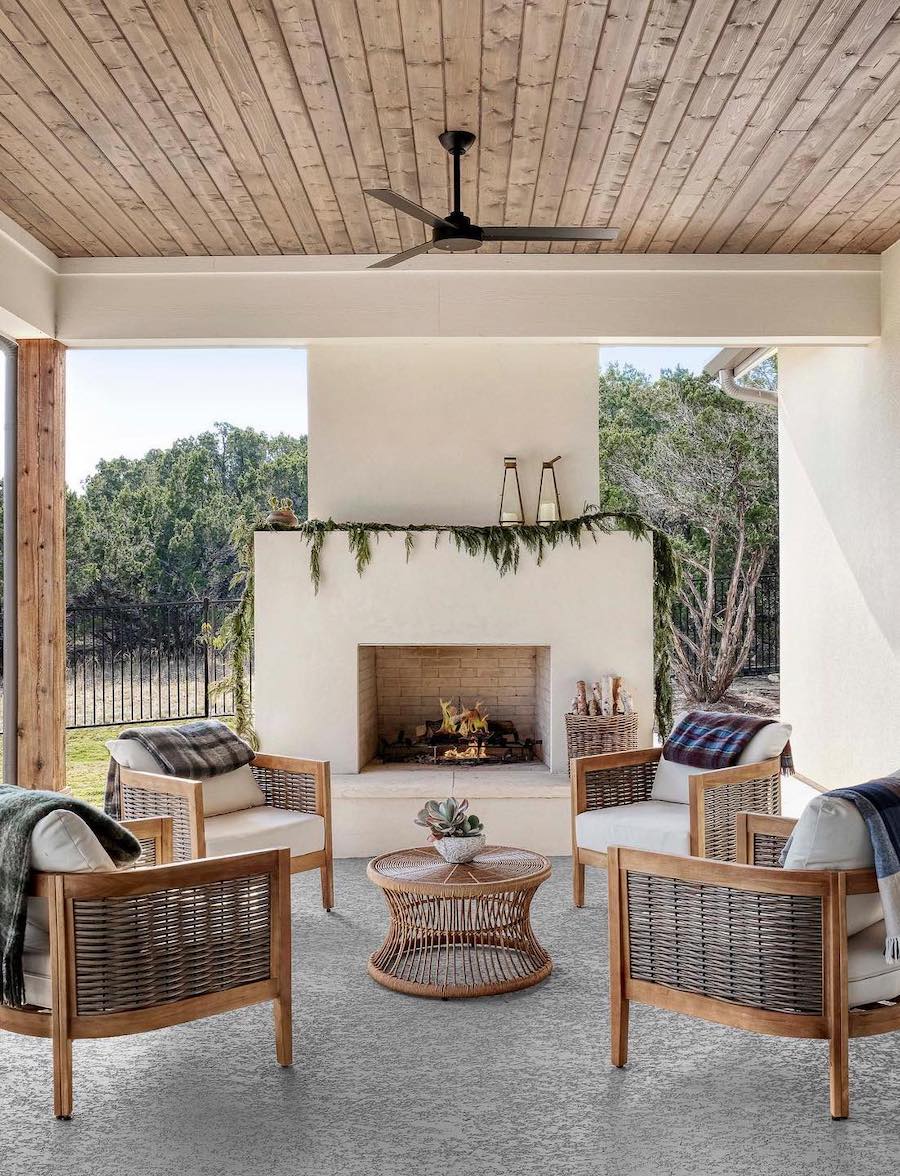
(20, 811)
(194, 750)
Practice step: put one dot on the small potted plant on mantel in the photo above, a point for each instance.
(281, 515)
(458, 835)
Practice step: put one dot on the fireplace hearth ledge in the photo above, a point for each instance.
(502, 781)
(520, 804)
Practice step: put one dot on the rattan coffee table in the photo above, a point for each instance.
(459, 930)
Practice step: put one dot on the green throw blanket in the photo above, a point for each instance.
(20, 811)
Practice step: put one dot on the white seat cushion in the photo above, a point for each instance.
(870, 976)
(831, 835)
(264, 828)
(671, 781)
(60, 843)
(229, 792)
(36, 973)
(655, 825)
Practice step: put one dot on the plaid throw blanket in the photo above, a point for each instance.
(20, 811)
(878, 803)
(708, 739)
(199, 749)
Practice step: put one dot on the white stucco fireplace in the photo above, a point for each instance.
(413, 432)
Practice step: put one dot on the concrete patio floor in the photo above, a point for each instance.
(389, 1085)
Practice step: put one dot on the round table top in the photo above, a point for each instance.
(423, 870)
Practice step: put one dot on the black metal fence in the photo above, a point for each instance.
(137, 663)
(764, 655)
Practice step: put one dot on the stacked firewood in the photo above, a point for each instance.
(608, 696)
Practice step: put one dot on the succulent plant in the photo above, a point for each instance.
(449, 818)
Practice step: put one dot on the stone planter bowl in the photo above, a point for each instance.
(460, 849)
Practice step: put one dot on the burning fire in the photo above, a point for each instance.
(472, 751)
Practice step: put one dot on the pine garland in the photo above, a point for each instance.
(235, 635)
(501, 545)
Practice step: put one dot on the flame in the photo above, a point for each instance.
(472, 751)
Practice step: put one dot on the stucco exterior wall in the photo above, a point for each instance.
(840, 550)
(416, 432)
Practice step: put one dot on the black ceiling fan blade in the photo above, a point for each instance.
(386, 196)
(553, 233)
(386, 262)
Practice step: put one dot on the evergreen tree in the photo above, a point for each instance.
(159, 527)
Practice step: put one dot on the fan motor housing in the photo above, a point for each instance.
(462, 237)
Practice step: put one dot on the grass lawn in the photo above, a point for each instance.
(87, 760)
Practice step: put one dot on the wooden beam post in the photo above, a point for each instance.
(41, 564)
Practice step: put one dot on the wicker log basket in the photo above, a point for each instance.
(596, 734)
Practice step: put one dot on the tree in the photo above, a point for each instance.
(159, 527)
(703, 467)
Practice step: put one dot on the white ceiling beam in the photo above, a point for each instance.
(28, 275)
(709, 300)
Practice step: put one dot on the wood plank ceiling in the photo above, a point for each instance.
(190, 127)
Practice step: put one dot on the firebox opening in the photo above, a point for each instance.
(454, 705)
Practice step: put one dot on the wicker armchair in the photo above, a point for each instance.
(138, 949)
(705, 827)
(289, 785)
(749, 945)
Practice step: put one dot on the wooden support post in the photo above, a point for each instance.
(835, 947)
(41, 595)
(618, 933)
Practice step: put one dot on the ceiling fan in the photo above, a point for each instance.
(455, 233)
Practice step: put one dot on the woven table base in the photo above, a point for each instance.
(470, 935)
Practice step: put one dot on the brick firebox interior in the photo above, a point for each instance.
(401, 686)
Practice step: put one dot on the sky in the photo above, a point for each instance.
(124, 402)
(121, 403)
(652, 360)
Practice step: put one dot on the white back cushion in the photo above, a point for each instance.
(671, 780)
(831, 835)
(230, 792)
(61, 843)
(129, 753)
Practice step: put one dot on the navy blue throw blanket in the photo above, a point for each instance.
(712, 740)
(878, 803)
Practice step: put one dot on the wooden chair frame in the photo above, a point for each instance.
(211, 985)
(783, 897)
(626, 777)
(298, 785)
